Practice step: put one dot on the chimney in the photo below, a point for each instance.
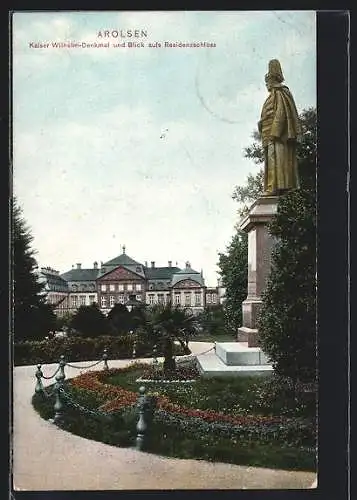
(146, 263)
(95, 265)
(170, 263)
(152, 264)
(187, 264)
(79, 266)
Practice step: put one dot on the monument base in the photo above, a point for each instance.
(260, 245)
(250, 335)
(233, 359)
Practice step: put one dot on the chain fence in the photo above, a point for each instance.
(87, 411)
(84, 367)
(145, 406)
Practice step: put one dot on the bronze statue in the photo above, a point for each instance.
(279, 127)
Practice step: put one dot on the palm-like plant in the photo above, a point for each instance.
(165, 324)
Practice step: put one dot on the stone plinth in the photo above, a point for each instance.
(260, 245)
(239, 354)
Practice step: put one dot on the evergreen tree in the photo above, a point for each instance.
(28, 292)
(119, 319)
(89, 321)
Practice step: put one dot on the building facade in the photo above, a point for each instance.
(121, 278)
(56, 289)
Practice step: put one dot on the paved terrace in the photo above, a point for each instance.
(46, 457)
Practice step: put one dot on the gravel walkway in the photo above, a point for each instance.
(48, 458)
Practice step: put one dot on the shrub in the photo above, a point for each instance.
(80, 349)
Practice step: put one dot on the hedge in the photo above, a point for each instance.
(80, 349)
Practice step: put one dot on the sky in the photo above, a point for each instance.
(143, 146)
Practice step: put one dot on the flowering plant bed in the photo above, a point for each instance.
(179, 426)
(117, 398)
(181, 374)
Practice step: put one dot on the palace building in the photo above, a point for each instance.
(121, 278)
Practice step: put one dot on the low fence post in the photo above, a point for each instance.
(39, 375)
(134, 349)
(105, 359)
(154, 357)
(58, 406)
(141, 426)
(62, 364)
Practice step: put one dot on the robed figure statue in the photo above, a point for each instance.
(279, 127)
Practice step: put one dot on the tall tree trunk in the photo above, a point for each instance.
(169, 361)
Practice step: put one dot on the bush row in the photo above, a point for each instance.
(81, 349)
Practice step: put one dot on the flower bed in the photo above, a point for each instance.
(183, 374)
(117, 399)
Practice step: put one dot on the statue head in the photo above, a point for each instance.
(274, 75)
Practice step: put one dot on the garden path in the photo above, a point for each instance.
(48, 458)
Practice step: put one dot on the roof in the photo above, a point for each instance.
(187, 274)
(188, 270)
(160, 273)
(193, 276)
(54, 282)
(122, 260)
(80, 275)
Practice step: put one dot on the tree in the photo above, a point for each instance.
(165, 324)
(212, 319)
(89, 321)
(234, 273)
(287, 320)
(119, 320)
(28, 292)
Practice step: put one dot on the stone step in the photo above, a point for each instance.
(210, 365)
(239, 354)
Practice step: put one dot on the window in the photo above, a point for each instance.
(91, 299)
(168, 298)
(74, 288)
(138, 287)
(160, 298)
(187, 299)
(129, 287)
(214, 298)
(103, 288)
(103, 301)
(82, 300)
(177, 298)
(208, 298)
(151, 298)
(121, 287)
(111, 301)
(121, 298)
(198, 299)
(74, 301)
(112, 287)
(138, 269)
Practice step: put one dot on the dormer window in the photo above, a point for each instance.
(138, 269)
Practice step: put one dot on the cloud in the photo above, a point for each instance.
(144, 147)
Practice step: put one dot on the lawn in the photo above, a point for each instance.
(243, 420)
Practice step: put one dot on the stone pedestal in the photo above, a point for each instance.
(260, 244)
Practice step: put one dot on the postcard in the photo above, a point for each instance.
(150, 151)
